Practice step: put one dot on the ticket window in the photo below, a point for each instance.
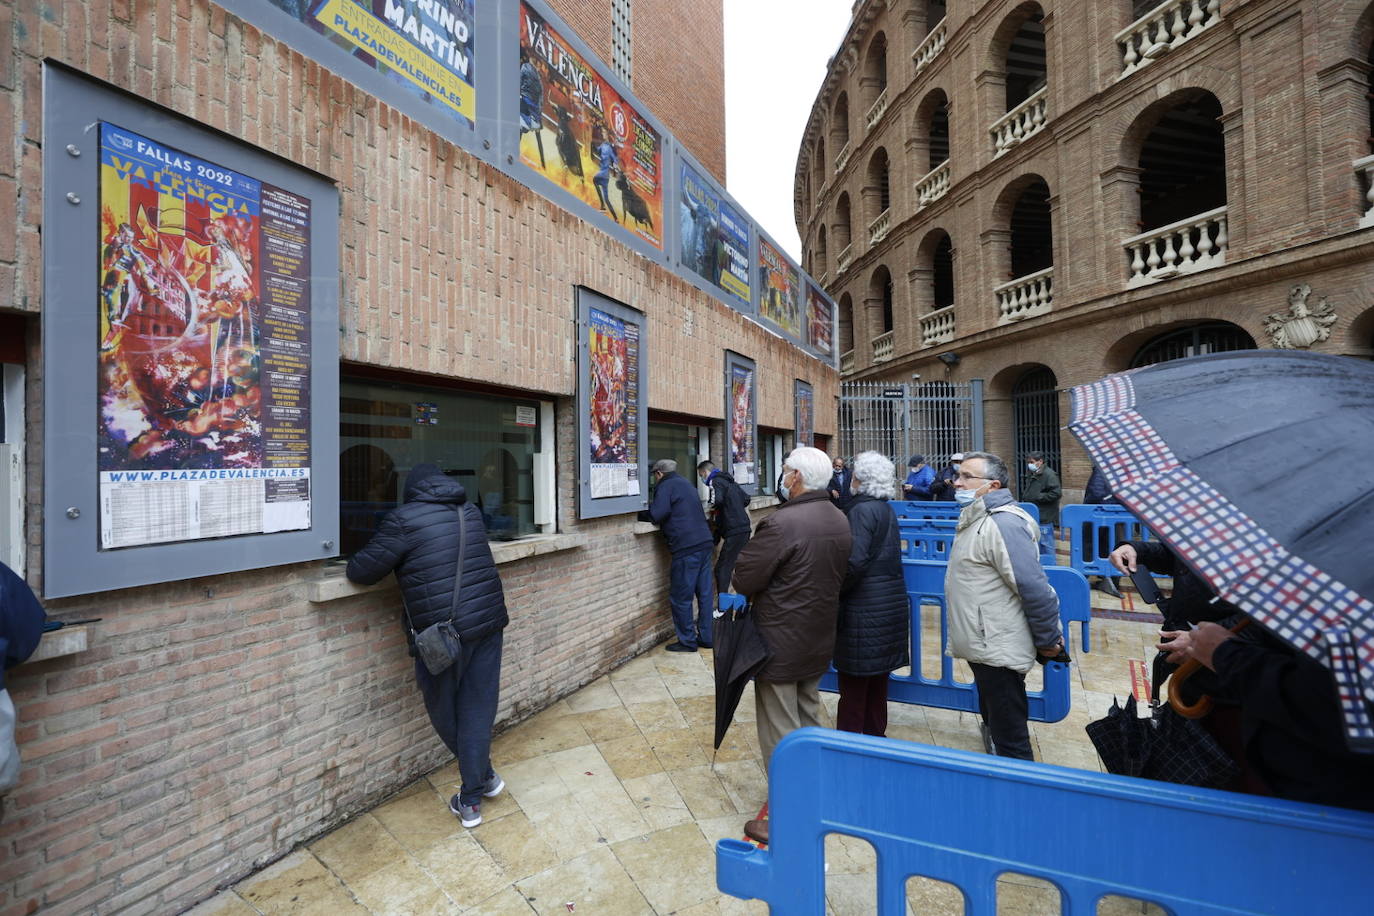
(686, 444)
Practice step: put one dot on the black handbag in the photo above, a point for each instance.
(439, 645)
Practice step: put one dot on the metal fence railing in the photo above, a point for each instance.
(934, 419)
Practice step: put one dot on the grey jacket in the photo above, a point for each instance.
(1000, 604)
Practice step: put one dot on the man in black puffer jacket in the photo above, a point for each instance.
(420, 542)
(729, 507)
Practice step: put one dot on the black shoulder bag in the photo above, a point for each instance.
(438, 644)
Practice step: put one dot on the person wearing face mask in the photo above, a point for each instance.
(943, 488)
(839, 488)
(1002, 612)
(919, 479)
(1043, 488)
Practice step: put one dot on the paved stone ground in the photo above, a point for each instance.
(615, 801)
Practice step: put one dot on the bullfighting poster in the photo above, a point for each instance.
(203, 309)
(806, 414)
(820, 321)
(613, 345)
(740, 401)
(582, 135)
(715, 236)
(778, 290)
(426, 45)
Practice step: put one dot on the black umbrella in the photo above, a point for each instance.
(1214, 453)
(1165, 746)
(740, 653)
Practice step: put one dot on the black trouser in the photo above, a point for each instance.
(461, 702)
(730, 548)
(1002, 701)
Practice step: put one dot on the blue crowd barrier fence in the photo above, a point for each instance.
(930, 539)
(1094, 532)
(936, 509)
(925, 586)
(967, 819)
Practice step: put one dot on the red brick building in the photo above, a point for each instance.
(1037, 194)
(207, 725)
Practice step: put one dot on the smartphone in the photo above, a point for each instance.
(1145, 584)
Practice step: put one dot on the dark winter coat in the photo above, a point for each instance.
(1291, 723)
(1044, 490)
(875, 616)
(943, 488)
(1097, 491)
(839, 483)
(729, 505)
(1191, 598)
(677, 510)
(792, 570)
(21, 621)
(419, 541)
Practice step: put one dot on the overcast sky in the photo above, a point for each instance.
(775, 56)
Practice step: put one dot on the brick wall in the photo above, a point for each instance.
(215, 723)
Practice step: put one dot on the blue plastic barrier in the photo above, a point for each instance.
(925, 586)
(968, 818)
(1094, 532)
(913, 509)
(930, 539)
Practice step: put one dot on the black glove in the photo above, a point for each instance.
(1062, 657)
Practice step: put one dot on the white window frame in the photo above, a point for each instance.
(12, 471)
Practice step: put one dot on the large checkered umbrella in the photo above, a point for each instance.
(1218, 455)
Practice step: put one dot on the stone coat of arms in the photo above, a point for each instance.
(1302, 325)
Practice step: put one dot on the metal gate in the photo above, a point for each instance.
(935, 419)
(1035, 416)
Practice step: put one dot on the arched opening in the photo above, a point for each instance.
(1183, 162)
(1026, 69)
(935, 14)
(1195, 340)
(880, 298)
(939, 132)
(942, 283)
(1035, 421)
(839, 126)
(846, 323)
(877, 191)
(818, 162)
(874, 80)
(1032, 243)
(843, 223)
(819, 256)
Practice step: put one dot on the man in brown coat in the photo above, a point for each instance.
(792, 570)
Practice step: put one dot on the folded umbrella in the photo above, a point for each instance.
(1214, 453)
(1164, 746)
(740, 653)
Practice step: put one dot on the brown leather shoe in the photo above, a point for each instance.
(757, 831)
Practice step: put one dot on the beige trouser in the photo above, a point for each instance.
(784, 706)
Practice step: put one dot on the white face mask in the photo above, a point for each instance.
(964, 497)
(1032, 467)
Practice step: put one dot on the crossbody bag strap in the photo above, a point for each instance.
(462, 553)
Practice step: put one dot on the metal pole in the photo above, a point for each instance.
(976, 405)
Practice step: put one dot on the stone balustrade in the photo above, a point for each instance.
(823, 279)
(883, 347)
(844, 259)
(846, 362)
(1025, 297)
(933, 185)
(842, 156)
(1189, 245)
(1021, 123)
(879, 228)
(933, 44)
(937, 327)
(1164, 28)
(1365, 167)
(876, 110)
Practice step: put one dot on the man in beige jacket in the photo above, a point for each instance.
(1002, 611)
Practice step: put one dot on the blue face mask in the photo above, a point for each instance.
(964, 497)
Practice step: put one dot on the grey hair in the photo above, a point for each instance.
(664, 466)
(813, 465)
(876, 475)
(994, 467)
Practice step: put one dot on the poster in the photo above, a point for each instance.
(743, 453)
(715, 237)
(580, 134)
(203, 382)
(820, 321)
(613, 346)
(778, 290)
(427, 45)
(806, 414)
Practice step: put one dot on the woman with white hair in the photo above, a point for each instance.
(872, 635)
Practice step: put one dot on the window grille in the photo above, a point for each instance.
(621, 56)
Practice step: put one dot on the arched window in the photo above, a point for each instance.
(1032, 243)
(877, 191)
(820, 257)
(843, 222)
(939, 132)
(875, 68)
(1035, 421)
(880, 298)
(942, 283)
(845, 330)
(1197, 340)
(818, 162)
(1183, 162)
(839, 126)
(1026, 70)
(935, 13)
